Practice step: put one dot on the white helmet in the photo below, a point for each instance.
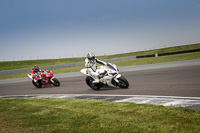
(90, 56)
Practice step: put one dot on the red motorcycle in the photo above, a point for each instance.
(44, 77)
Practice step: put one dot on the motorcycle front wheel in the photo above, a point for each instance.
(123, 83)
(37, 84)
(89, 81)
(55, 82)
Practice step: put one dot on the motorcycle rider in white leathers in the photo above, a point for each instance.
(90, 64)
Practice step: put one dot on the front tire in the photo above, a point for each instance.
(89, 81)
(55, 82)
(123, 83)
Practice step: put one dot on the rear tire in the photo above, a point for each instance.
(56, 82)
(123, 83)
(89, 81)
(37, 84)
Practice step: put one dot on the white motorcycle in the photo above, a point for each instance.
(108, 76)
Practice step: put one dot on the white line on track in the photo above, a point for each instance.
(188, 102)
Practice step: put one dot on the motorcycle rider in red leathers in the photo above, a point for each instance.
(36, 73)
(90, 64)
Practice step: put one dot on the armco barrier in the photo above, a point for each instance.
(180, 52)
(170, 53)
(145, 56)
(26, 70)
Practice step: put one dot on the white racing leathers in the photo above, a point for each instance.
(93, 69)
(105, 75)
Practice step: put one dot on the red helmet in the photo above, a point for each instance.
(35, 69)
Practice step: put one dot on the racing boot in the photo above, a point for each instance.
(96, 81)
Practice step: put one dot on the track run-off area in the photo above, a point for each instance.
(168, 84)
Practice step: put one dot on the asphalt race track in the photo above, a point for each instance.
(178, 81)
(181, 81)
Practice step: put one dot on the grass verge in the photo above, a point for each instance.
(72, 115)
(140, 61)
(9, 65)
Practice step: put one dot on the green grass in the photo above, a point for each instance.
(55, 71)
(152, 60)
(155, 51)
(9, 65)
(140, 61)
(72, 115)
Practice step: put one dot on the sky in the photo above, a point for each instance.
(50, 29)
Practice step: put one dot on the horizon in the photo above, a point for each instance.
(65, 29)
(97, 56)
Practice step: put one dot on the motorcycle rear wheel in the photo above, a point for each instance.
(89, 81)
(37, 84)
